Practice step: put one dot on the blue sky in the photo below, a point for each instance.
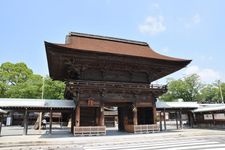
(192, 29)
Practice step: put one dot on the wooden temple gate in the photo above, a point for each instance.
(103, 72)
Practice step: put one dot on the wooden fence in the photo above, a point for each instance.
(147, 128)
(89, 130)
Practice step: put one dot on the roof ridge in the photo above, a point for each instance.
(108, 38)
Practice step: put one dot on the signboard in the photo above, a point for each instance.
(208, 117)
(219, 116)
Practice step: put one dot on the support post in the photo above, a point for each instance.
(25, 123)
(189, 119)
(135, 121)
(176, 119)
(1, 118)
(214, 123)
(164, 118)
(154, 114)
(160, 120)
(39, 121)
(180, 114)
(78, 115)
(101, 118)
(50, 122)
(72, 121)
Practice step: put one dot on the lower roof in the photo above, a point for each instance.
(36, 103)
(210, 108)
(2, 111)
(176, 105)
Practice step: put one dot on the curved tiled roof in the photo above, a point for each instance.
(102, 44)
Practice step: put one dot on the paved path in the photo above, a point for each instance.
(178, 140)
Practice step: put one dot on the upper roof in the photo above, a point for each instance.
(105, 44)
(129, 52)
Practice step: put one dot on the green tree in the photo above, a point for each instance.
(221, 90)
(186, 89)
(18, 81)
(209, 94)
(53, 89)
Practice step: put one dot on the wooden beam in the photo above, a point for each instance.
(25, 122)
(50, 122)
(160, 120)
(1, 119)
(176, 119)
(77, 123)
(164, 118)
(180, 115)
(214, 122)
(40, 121)
(101, 117)
(154, 114)
(135, 119)
(72, 121)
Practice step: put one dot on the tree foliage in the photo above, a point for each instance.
(186, 89)
(191, 89)
(18, 81)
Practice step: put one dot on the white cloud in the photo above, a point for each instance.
(165, 50)
(206, 58)
(206, 75)
(153, 25)
(155, 5)
(194, 20)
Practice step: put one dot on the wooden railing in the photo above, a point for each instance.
(147, 128)
(89, 130)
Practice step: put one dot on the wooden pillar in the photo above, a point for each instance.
(164, 118)
(154, 114)
(72, 121)
(135, 119)
(25, 122)
(77, 115)
(39, 121)
(176, 119)
(214, 123)
(50, 122)
(101, 117)
(180, 114)
(1, 118)
(189, 119)
(160, 120)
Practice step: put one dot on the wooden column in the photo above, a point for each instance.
(50, 122)
(101, 117)
(72, 121)
(25, 122)
(214, 123)
(176, 119)
(180, 114)
(160, 120)
(189, 119)
(1, 118)
(154, 114)
(164, 118)
(39, 121)
(135, 120)
(77, 123)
